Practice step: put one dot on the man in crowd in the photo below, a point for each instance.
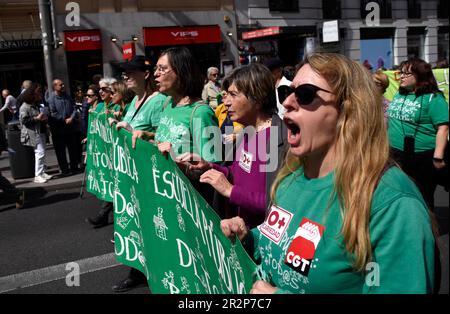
(10, 105)
(275, 65)
(63, 122)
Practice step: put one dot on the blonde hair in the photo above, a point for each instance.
(362, 148)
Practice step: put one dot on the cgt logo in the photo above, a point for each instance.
(185, 34)
(303, 248)
(82, 39)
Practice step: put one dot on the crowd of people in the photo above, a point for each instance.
(355, 173)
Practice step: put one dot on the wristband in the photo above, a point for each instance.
(438, 159)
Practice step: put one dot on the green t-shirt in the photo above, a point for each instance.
(418, 117)
(111, 107)
(176, 126)
(400, 233)
(148, 117)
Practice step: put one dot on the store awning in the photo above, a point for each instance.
(82, 40)
(169, 36)
(265, 32)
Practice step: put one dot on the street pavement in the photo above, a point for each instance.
(39, 243)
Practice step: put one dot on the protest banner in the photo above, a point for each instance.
(163, 227)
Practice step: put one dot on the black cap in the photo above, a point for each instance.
(273, 63)
(141, 63)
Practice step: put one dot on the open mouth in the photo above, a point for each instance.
(293, 132)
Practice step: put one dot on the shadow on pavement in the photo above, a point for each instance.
(52, 199)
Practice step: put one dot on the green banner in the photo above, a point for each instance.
(163, 227)
(441, 76)
(100, 173)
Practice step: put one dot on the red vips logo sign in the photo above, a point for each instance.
(169, 36)
(82, 40)
(129, 51)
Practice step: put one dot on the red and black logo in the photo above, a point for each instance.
(303, 248)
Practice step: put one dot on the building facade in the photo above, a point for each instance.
(110, 31)
(390, 31)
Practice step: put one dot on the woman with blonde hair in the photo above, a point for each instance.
(343, 218)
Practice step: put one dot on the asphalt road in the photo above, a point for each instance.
(38, 242)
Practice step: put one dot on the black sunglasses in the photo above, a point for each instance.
(304, 93)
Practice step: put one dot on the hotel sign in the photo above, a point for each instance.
(20, 44)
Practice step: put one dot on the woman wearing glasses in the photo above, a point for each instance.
(142, 117)
(250, 101)
(90, 102)
(106, 105)
(343, 220)
(144, 113)
(418, 126)
(211, 88)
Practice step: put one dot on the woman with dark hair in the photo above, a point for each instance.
(251, 101)
(144, 112)
(184, 119)
(33, 119)
(418, 126)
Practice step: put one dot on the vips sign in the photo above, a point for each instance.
(163, 227)
(82, 40)
(129, 51)
(167, 36)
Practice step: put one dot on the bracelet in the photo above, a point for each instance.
(438, 159)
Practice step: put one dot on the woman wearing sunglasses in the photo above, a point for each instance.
(211, 88)
(90, 102)
(343, 219)
(246, 182)
(106, 105)
(418, 126)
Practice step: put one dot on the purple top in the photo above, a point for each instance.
(249, 191)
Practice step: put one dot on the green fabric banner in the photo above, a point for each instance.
(441, 76)
(163, 227)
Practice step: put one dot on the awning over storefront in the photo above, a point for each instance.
(82, 40)
(169, 36)
(265, 32)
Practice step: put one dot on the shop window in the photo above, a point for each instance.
(414, 8)
(283, 6)
(376, 47)
(385, 8)
(443, 9)
(331, 9)
(416, 42)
